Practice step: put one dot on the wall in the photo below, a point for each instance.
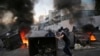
(64, 23)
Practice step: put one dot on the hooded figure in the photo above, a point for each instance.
(50, 34)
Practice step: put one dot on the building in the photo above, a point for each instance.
(80, 15)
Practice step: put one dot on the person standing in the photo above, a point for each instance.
(64, 37)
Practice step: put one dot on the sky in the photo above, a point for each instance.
(43, 7)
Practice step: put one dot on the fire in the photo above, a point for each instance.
(23, 33)
(92, 38)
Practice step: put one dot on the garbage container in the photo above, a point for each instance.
(41, 46)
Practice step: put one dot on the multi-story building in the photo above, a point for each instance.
(82, 14)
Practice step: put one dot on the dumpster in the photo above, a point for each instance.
(40, 45)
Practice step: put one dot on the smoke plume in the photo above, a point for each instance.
(97, 7)
(60, 4)
(21, 8)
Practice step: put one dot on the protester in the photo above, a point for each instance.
(64, 37)
(50, 34)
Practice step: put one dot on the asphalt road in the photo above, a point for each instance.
(81, 52)
(24, 52)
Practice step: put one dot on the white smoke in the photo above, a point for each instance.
(88, 4)
(8, 18)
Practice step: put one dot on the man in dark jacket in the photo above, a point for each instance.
(64, 36)
(50, 34)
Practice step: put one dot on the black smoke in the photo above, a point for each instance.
(21, 8)
(60, 4)
(97, 7)
(70, 5)
(88, 28)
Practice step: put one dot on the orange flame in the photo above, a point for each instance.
(23, 33)
(92, 38)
